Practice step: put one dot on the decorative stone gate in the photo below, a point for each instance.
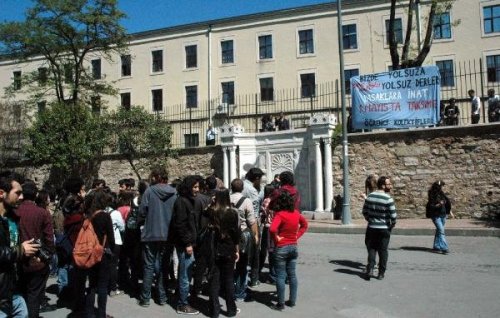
(306, 152)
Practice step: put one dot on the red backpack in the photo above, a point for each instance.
(88, 251)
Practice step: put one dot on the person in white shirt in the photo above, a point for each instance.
(475, 107)
(493, 106)
(211, 134)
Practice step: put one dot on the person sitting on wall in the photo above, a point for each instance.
(281, 122)
(451, 113)
(267, 123)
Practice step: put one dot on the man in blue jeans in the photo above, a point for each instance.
(156, 209)
(11, 251)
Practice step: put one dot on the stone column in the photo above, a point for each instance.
(328, 175)
(232, 164)
(225, 166)
(319, 177)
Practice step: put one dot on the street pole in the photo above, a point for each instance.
(419, 26)
(346, 211)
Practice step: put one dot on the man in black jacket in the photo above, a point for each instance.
(11, 252)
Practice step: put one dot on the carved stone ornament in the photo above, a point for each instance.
(282, 161)
(322, 119)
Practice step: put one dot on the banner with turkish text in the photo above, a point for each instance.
(396, 99)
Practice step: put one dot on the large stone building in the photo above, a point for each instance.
(202, 68)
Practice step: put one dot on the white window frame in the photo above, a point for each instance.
(358, 42)
(452, 33)
(124, 91)
(481, 14)
(350, 67)
(224, 80)
(197, 84)
(184, 59)
(227, 38)
(297, 40)
(151, 50)
(267, 75)
(273, 49)
(151, 89)
(485, 55)
(403, 28)
(299, 81)
(448, 57)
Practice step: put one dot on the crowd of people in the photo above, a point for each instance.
(191, 236)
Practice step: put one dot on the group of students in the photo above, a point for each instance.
(193, 235)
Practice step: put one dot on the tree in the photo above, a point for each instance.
(141, 137)
(64, 33)
(411, 56)
(72, 139)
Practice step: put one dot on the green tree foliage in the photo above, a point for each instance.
(69, 138)
(413, 55)
(64, 33)
(141, 137)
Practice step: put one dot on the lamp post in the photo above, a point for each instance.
(346, 211)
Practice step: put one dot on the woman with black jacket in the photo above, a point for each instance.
(439, 206)
(224, 223)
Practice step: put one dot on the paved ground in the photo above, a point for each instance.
(418, 283)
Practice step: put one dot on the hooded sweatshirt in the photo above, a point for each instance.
(156, 209)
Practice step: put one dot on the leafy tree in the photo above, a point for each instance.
(412, 56)
(141, 137)
(72, 139)
(64, 33)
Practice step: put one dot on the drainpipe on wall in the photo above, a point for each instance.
(419, 25)
(209, 36)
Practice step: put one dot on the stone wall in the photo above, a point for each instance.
(466, 158)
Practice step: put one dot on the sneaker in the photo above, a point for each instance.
(143, 303)
(290, 303)
(380, 276)
(239, 300)
(278, 307)
(254, 284)
(162, 302)
(187, 310)
(114, 293)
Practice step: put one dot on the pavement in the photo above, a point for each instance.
(454, 227)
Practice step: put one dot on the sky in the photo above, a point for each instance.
(144, 15)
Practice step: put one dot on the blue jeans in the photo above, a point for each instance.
(285, 262)
(186, 263)
(439, 238)
(19, 309)
(240, 277)
(152, 254)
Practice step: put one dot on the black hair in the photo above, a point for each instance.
(284, 202)
(211, 182)
(30, 190)
(286, 177)
(253, 174)
(6, 179)
(125, 198)
(143, 185)
(237, 185)
(381, 181)
(96, 200)
(42, 198)
(185, 189)
(73, 185)
(268, 190)
(159, 173)
(98, 182)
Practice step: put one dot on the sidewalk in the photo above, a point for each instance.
(454, 227)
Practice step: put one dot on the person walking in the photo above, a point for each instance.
(439, 206)
(223, 220)
(287, 227)
(380, 212)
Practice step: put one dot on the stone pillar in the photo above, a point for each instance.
(319, 177)
(225, 166)
(232, 164)
(328, 175)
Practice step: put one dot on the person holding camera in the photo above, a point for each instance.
(12, 252)
(35, 223)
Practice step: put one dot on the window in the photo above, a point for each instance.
(42, 76)
(442, 26)
(228, 92)
(157, 61)
(347, 78)
(157, 95)
(227, 52)
(95, 102)
(306, 43)
(191, 96)
(265, 47)
(308, 85)
(349, 37)
(191, 140)
(17, 80)
(68, 73)
(41, 106)
(266, 89)
(491, 16)
(493, 68)
(125, 100)
(446, 71)
(126, 65)
(96, 69)
(191, 56)
(398, 31)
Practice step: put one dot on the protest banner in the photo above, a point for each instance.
(396, 99)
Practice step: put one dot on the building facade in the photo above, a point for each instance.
(242, 67)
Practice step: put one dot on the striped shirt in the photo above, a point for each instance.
(379, 210)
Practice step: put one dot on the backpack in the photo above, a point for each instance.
(88, 251)
(132, 221)
(246, 237)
